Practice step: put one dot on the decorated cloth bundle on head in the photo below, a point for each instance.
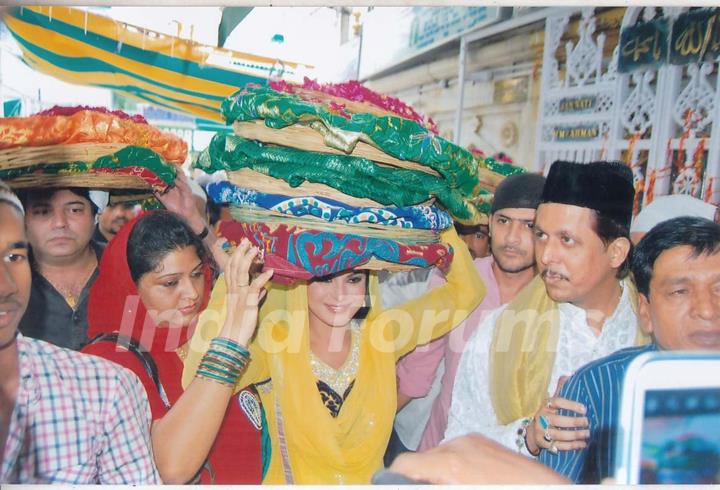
(317, 210)
(89, 147)
(322, 188)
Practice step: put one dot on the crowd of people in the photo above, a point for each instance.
(136, 349)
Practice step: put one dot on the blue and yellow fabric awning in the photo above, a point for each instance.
(79, 47)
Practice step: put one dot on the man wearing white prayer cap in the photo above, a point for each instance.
(669, 207)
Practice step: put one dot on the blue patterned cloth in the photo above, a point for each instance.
(416, 217)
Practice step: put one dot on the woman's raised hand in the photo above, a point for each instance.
(180, 200)
(244, 293)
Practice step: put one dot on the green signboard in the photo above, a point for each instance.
(644, 45)
(695, 37)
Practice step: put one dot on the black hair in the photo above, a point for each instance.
(462, 229)
(609, 229)
(123, 204)
(154, 236)
(701, 234)
(42, 194)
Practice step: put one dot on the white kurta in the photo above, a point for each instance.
(472, 410)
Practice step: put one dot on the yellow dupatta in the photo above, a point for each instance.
(522, 353)
(317, 448)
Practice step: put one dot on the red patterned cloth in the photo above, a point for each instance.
(148, 176)
(301, 254)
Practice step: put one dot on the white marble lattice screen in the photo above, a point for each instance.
(664, 122)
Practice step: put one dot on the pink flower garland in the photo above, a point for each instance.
(355, 91)
(499, 157)
(69, 111)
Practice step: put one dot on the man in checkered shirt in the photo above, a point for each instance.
(65, 417)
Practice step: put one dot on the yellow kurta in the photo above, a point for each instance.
(522, 354)
(349, 448)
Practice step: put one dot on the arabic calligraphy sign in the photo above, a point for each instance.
(695, 37)
(644, 45)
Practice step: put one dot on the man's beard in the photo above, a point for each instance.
(514, 270)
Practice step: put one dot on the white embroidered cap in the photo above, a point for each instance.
(669, 207)
(99, 199)
(8, 196)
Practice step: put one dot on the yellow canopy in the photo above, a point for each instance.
(88, 49)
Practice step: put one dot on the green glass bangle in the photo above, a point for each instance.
(235, 360)
(231, 344)
(220, 369)
(222, 352)
(211, 376)
(216, 376)
(231, 362)
(235, 351)
(218, 365)
(221, 364)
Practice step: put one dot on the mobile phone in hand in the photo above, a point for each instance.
(669, 429)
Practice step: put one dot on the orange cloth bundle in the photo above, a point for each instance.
(89, 126)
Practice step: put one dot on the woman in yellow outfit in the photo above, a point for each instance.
(327, 381)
